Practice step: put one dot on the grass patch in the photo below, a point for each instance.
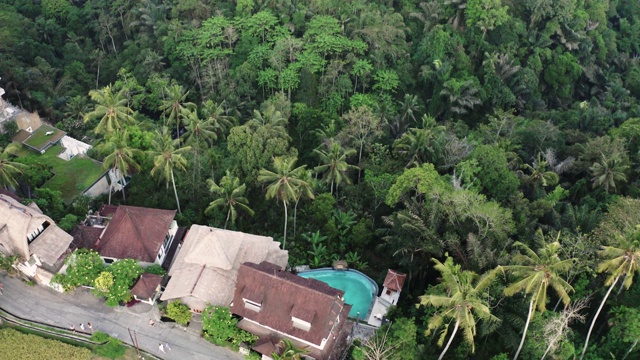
(40, 139)
(71, 177)
(17, 345)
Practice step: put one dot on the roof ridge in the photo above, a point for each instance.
(139, 235)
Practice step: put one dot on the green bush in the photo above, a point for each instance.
(84, 267)
(179, 312)
(155, 269)
(219, 327)
(99, 336)
(16, 345)
(113, 349)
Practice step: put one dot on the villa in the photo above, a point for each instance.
(41, 245)
(206, 267)
(276, 304)
(147, 235)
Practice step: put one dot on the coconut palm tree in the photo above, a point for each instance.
(620, 262)
(111, 108)
(334, 164)
(539, 174)
(220, 120)
(535, 271)
(284, 183)
(304, 191)
(229, 194)
(174, 106)
(418, 143)
(200, 132)
(608, 172)
(167, 157)
(9, 169)
(119, 157)
(461, 303)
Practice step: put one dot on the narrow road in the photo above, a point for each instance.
(47, 306)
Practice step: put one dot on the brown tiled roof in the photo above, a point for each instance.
(285, 295)
(135, 233)
(394, 280)
(85, 237)
(146, 286)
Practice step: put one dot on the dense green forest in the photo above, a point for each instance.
(487, 148)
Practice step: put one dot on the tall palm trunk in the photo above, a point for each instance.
(595, 317)
(173, 181)
(526, 327)
(453, 334)
(111, 186)
(284, 243)
(228, 214)
(295, 213)
(631, 348)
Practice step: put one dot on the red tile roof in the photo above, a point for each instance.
(85, 237)
(146, 286)
(135, 233)
(394, 280)
(284, 295)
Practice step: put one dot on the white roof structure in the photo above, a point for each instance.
(206, 269)
(19, 222)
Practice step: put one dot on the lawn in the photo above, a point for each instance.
(39, 139)
(71, 177)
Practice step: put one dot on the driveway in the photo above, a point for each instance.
(47, 306)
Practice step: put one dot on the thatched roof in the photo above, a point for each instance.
(18, 221)
(206, 267)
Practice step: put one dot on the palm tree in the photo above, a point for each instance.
(304, 190)
(619, 262)
(166, 158)
(229, 194)
(111, 108)
(287, 350)
(119, 157)
(462, 97)
(608, 171)
(9, 169)
(418, 143)
(535, 272)
(272, 119)
(538, 173)
(462, 302)
(334, 164)
(284, 183)
(220, 120)
(175, 104)
(199, 132)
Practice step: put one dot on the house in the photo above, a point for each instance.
(206, 268)
(276, 304)
(147, 288)
(130, 232)
(392, 286)
(25, 231)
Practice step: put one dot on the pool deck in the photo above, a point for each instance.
(378, 311)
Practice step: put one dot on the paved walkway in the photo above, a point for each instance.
(47, 306)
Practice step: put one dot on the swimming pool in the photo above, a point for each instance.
(359, 289)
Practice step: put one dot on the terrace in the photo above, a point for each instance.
(71, 177)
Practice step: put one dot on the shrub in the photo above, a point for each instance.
(125, 273)
(219, 327)
(113, 349)
(84, 266)
(179, 312)
(155, 269)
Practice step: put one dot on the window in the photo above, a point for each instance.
(388, 292)
(301, 324)
(252, 305)
(37, 232)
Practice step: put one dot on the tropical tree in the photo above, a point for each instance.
(333, 163)
(199, 133)
(229, 194)
(535, 271)
(620, 262)
(175, 105)
(608, 172)
(9, 169)
(418, 143)
(284, 183)
(305, 190)
(462, 302)
(167, 156)
(220, 119)
(287, 350)
(119, 157)
(111, 108)
(538, 173)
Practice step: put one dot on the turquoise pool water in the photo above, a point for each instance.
(358, 288)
